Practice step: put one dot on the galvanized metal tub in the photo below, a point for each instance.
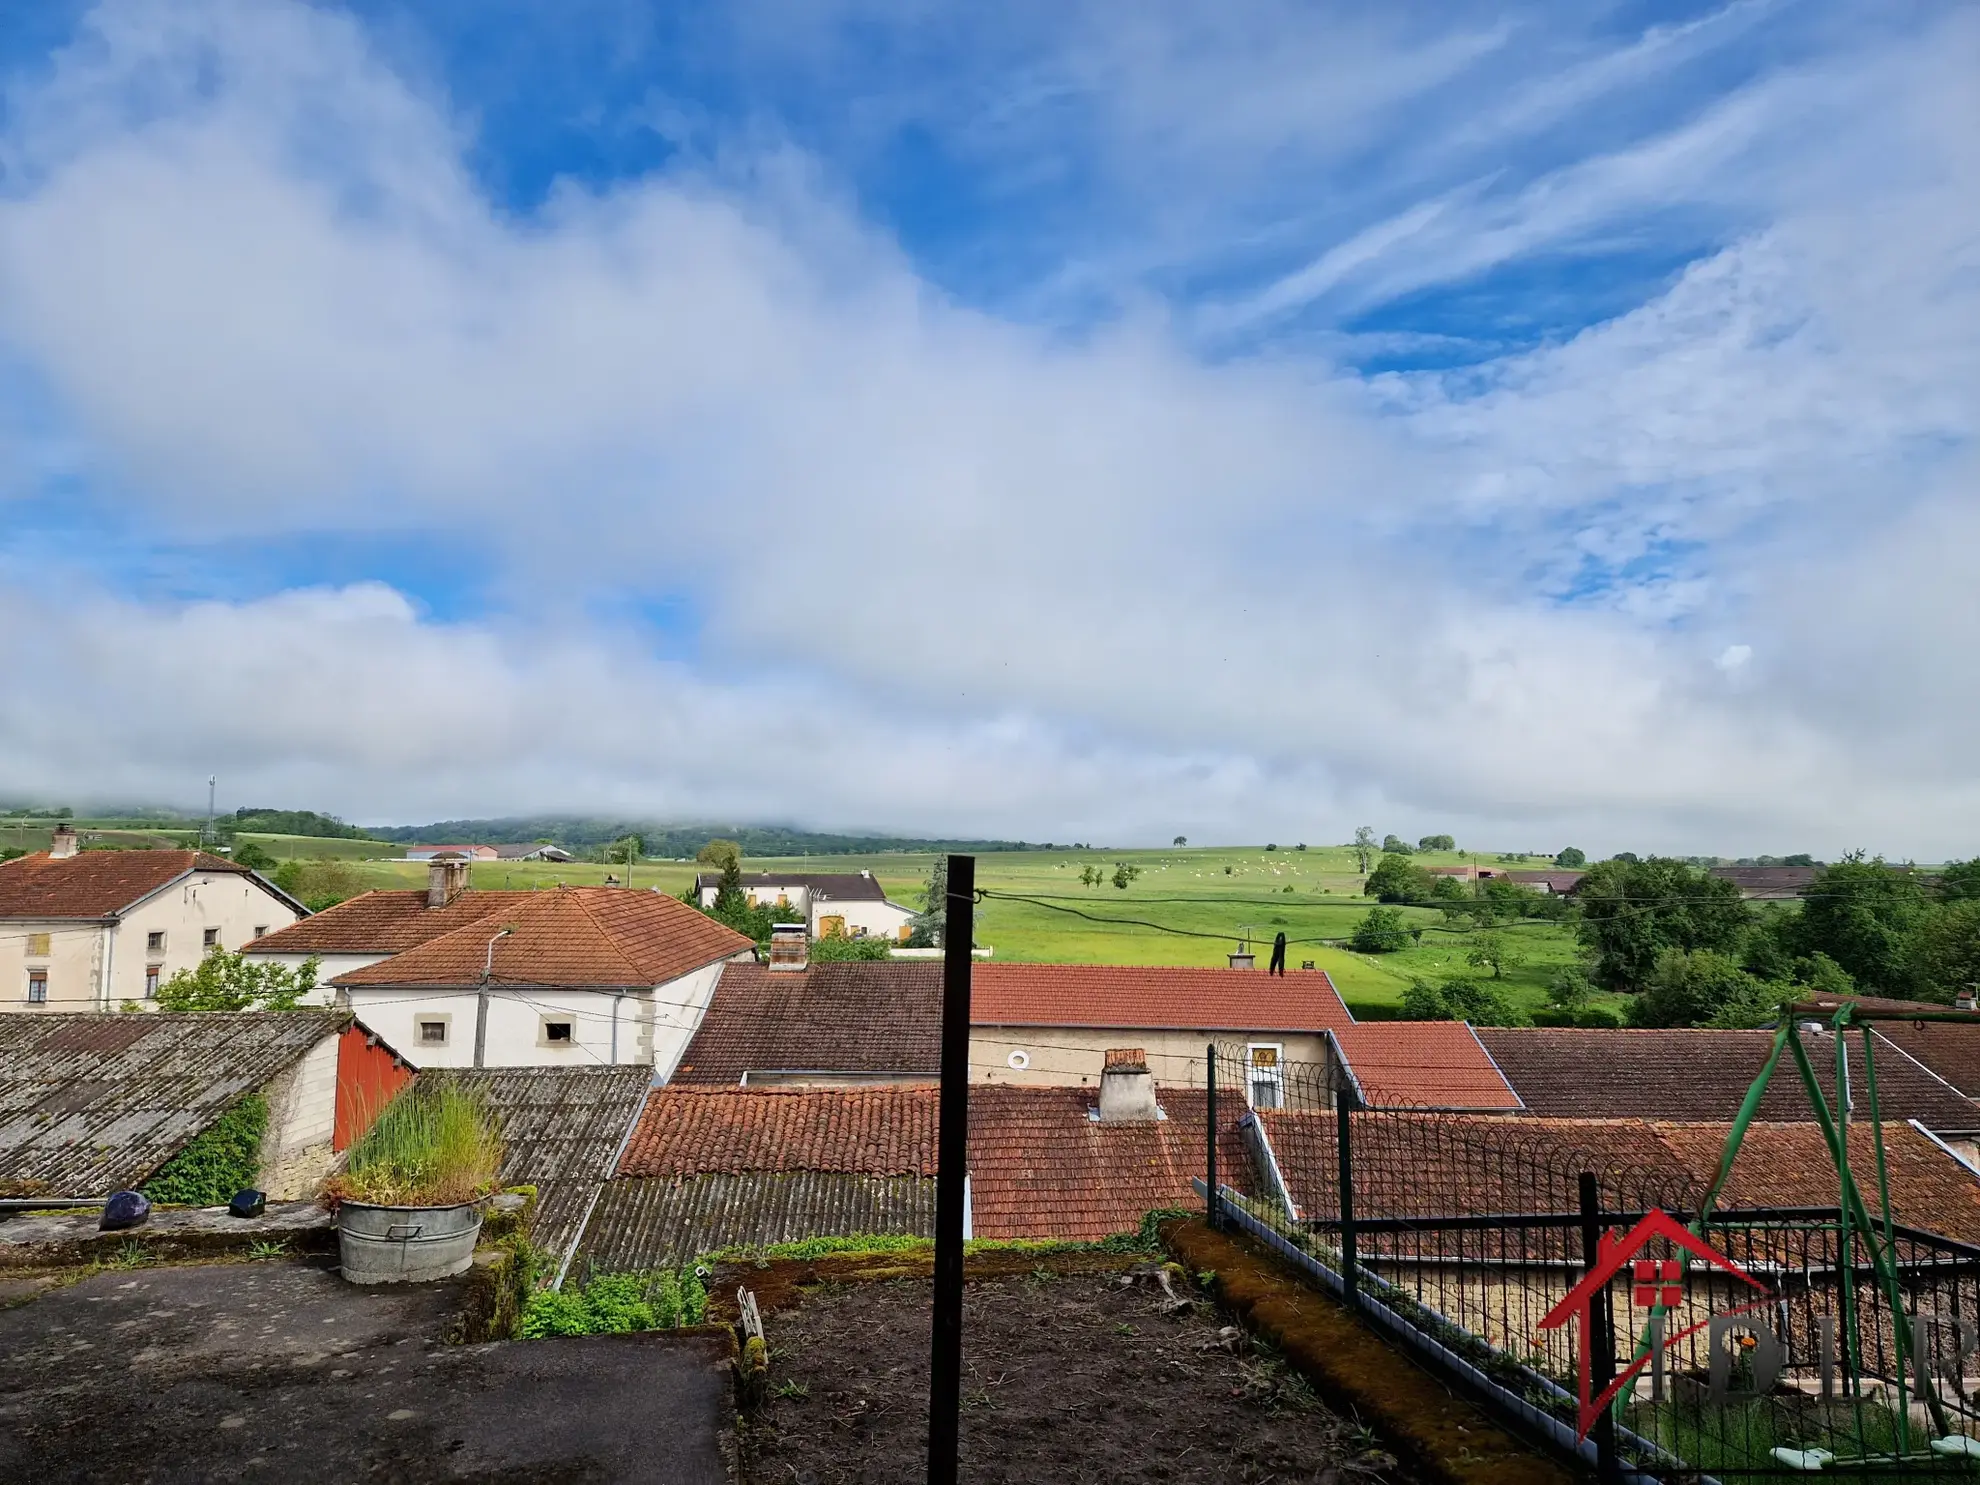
(406, 1245)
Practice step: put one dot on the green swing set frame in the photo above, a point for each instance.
(1856, 1222)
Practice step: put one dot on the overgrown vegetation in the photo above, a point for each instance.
(221, 1159)
(1461, 1000)
(430, 1147)
(226, 981)
(613, 1304)
(318, 884)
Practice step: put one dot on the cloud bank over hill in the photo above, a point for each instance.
(709, 489)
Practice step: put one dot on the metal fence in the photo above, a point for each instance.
(1760, 1342)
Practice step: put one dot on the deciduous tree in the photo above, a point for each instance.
(1631, 912)
(224, 981)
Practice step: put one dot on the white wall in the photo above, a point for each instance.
(302, 1118)
(81, 955)
(330, 967)
(654, 1026)
(876, 919)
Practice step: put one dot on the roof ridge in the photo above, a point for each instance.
(584, 905)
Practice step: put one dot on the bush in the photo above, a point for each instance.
(1382, 931)
(224, 981)
(429, 1148)
(614, 1304)
(838, 950)
(1460, 1000)
(221, 1159)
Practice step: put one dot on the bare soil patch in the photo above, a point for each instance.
(1066, 1377)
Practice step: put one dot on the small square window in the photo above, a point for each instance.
(433, 1033)
(37, 987)
(211, 938)
(261, 930)
(38, 945)
(154, 943)
(151, 974)
(557, 1033)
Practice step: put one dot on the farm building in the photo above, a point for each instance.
(834, 905)
(93, 930)
(94, 1103)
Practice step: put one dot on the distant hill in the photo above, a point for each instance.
(294, 822)
(579, 832)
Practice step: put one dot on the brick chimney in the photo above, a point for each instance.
(446, 879)
(790, 948)
(64, 845)
(1127, 1088)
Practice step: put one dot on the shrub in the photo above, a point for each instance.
(834, 950)
(429, 1148)
(1382, 931)
(224, 981)
(614, 1304)
(221, 1159)
(1460, 1000)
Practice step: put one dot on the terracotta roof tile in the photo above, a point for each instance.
(1423, 1064)
(867, 1131)
(881, 1017)
(606, 937)
(1165, 997)
(1040, 1166)
(382, 923)
(1693, 1074)
(1415, 1165)
(1950, 1049)
(95, 884)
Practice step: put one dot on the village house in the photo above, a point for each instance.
(572, 976)
(376, 925)
(467, 852)
(96, 930)
(834, 905)
(92, 1103)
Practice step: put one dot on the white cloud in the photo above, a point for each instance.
(950, 573)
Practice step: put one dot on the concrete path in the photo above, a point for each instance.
(282, 1372)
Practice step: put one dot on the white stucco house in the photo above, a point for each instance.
(94, 930)
(569, 976)
(834, 904)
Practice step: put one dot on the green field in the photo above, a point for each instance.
(1189, 906)
(1185, 908)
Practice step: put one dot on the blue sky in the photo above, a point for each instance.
(1069, 421)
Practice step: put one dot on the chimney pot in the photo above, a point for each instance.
(790, 948)
(446, 879)
(64, 845)
(1127, 1088)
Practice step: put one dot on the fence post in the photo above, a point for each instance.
(1212, 1211)
(1344, 1127)
(1601, 1330)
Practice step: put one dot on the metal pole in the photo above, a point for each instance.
(1212, 1211)
(1344, 1124)
(952, 1165)
(1601, 1329)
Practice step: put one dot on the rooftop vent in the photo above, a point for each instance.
(1127, 1088)
(1965, 1001)
(789, 947)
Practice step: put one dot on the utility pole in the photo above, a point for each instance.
(206, 835)
(951, 1169)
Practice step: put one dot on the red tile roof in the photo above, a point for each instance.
(1156, 998)
(1419, 1165)
(383, 923)
(96, 884)
(857, 1016)
(1688, 1073)
(1039, 1165)
(1423, 1064)
(1949, 1049)
(710, 1131)
(602, 937)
